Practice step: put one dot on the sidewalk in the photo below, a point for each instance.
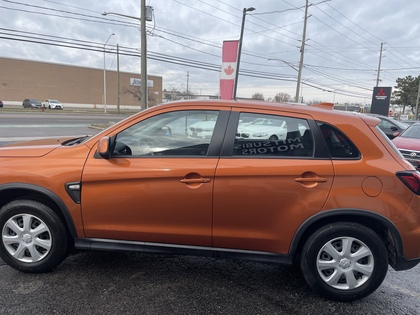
(72, 108)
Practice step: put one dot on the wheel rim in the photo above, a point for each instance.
(345, 263)
(27, 238)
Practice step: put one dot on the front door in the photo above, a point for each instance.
(158, 184)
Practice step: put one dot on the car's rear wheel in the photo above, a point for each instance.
(33, 238)
(344, 261)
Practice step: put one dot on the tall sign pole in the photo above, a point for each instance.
(379, 65)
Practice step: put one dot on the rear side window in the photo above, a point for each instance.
(339, 145)
(261, 135)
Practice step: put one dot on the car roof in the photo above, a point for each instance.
(316, 110)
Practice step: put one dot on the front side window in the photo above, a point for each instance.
(180, 133)
(260, 135)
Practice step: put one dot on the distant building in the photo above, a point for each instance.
(20, 79)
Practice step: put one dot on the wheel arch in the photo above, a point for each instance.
(381, 225)
(14, 191)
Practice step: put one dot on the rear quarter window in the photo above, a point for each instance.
(339, 145)
(391, 144)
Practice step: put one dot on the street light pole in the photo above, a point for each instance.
(143, 49)
(143, 59)
(245, 10)
(105, 71)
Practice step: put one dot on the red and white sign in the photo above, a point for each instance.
(229, 66)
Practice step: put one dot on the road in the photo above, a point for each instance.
(23, 126)
(134, 283)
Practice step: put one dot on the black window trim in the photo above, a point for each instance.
(212, 151)
(321, 150)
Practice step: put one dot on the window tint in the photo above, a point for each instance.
(177, 133)
(272, 135)
(339, 145)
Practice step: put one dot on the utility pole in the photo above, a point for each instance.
(302, 52)
(417, 100)
(245, 10)
(188, 76)
(379, 66)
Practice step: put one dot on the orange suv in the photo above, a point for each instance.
(306, 185)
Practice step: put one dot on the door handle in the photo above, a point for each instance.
(310, 179)
(194, 180)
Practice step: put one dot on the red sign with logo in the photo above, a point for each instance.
(229, 66)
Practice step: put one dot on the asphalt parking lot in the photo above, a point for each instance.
(134, 283)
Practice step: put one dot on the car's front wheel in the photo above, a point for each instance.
(344, 261)
(33, 238)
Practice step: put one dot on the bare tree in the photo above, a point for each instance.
(258, 96)
(175, 94)
(282, 97)
(135, 91)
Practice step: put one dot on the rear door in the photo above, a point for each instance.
(268, 181)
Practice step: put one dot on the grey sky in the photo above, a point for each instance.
(341, 56)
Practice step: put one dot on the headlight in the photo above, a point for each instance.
(260, 134)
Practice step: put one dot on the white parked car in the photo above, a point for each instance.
(53, 104)
(263, 128)
(202, 129)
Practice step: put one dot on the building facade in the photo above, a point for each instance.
(21, 79)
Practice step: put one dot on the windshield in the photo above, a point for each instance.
(54, 101)
(412, 131)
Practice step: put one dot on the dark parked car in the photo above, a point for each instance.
(1, 103)
(31, 103)
(408, 142)
(409, 122)
(390, 126)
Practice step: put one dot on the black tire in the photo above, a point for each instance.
(33, 238)
(358, 269)
(273, 137)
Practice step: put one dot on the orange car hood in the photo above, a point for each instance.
(32, 148)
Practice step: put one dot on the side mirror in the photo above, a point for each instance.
(104, 148)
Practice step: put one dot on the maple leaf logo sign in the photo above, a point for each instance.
(229, 70)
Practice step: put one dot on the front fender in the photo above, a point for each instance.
(11, 189)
